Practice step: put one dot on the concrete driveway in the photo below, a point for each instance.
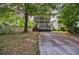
(58, 44)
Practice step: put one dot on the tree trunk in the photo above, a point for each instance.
(26, 20)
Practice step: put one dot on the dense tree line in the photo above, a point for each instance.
(69, 16)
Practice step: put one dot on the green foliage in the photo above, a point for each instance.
(9, 19)
(69, 15)
(63, 29)
(31, 24)
(14, 14)
(17, 21)
(6, 29)
(40, 8)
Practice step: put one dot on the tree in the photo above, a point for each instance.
(27, 9)
(69, 13)
(26, 19)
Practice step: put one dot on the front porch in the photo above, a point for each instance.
(42, 23)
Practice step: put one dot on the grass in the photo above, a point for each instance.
(20, 44)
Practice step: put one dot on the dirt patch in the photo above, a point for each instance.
(20, 44)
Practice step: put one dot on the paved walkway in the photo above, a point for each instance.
(57, 44)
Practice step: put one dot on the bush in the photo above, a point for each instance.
(54, 29)
(62, 29)
(6, 30)
(30, 24)
(74, 29)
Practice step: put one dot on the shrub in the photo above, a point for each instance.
(74, 28)
(30, 24)
(54, 29)
(62, 29)
(6, 30)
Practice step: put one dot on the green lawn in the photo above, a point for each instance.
(19, 44)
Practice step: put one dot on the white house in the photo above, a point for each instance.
(45, 23)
